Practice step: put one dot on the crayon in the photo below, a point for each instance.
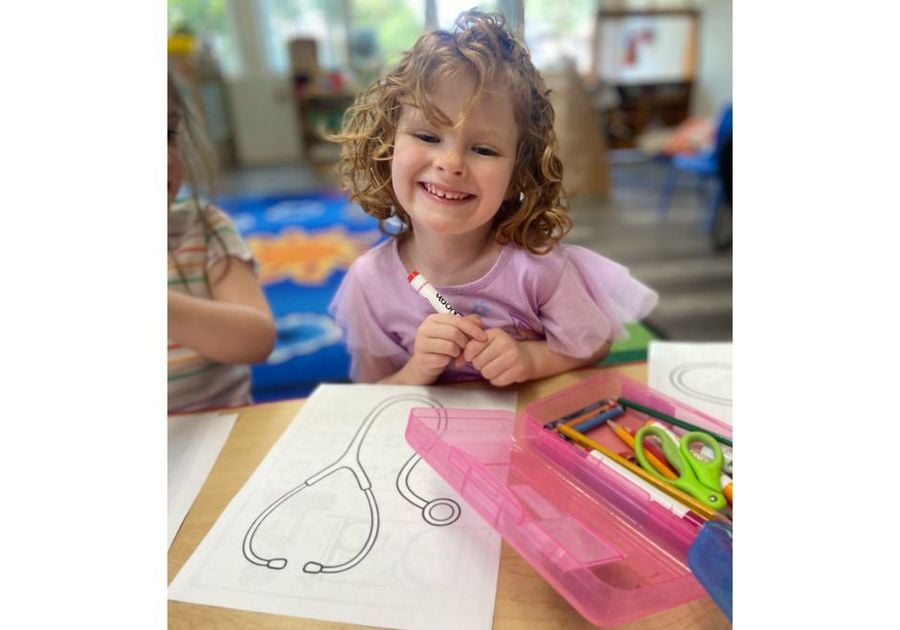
(672, 420)
(604, 403)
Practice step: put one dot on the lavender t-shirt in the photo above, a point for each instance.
(574, 298)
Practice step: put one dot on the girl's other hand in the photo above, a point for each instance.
(441, 338)
(501, 359)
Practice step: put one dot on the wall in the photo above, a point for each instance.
(261, 104)
(714, 72)
(264, 114)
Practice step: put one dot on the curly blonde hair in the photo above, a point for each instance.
(481, 46)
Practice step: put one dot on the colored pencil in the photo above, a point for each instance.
(691, 503)
(652, 448)
(662, 468)
(605, 402)
(671, 419)
(595, 421)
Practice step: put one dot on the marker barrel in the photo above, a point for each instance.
(424, 288)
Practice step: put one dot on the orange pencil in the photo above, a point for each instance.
(688, 501)
(727, 487)
(661, 468)
(650, 447)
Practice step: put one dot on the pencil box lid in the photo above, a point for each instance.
(613, 553)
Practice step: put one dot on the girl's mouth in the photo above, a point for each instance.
(444, 195)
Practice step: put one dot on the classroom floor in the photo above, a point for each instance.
(674, 254)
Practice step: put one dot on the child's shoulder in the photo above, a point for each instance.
(550, 263)
(378, 262)
(187, 212)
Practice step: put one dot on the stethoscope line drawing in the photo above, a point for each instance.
(678, 379)
(350, 460)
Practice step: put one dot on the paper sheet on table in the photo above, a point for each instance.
(194, 444)
(696, 373)
(381, 562)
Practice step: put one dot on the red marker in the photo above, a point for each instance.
(438, 302)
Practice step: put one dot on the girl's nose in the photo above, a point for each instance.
(450, 161)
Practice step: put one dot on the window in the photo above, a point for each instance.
(449, 10)
(210, 22)
(382, 30)
(557, 29)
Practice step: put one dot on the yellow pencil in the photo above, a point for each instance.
(625, 436)
(669, 489)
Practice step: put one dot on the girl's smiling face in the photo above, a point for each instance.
(452, 180)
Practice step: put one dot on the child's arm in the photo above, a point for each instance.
(235, 326)
(503, 360)
(440, 339)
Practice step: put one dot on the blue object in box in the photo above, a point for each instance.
(710, 560)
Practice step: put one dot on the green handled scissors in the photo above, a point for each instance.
(697, 477)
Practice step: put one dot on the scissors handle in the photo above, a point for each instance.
(690, 468)
(708, 472)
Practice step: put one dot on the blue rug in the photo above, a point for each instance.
(304, 245)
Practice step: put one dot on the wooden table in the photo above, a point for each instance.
(525, 601)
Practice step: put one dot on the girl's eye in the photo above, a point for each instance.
(426, 137)
(173, 134)
(485, 151)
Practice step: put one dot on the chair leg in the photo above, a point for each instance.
(714, 203)
(667, 188)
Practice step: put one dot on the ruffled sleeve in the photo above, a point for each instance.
(590, 302)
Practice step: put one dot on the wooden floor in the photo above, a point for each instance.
(673, 253)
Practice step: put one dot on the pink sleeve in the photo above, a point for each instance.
(590, 302)
(371, 348)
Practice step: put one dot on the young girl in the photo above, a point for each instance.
(219, 319)
(456, 145)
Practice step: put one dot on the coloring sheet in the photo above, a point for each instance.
(698, 374)
(194, 444)
(342, 522)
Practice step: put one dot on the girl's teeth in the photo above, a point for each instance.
(444, 195)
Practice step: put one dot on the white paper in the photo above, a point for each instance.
(194, 444)
(697, 374)
(303, 508)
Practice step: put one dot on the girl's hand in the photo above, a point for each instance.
(501, 359)
(440, 339)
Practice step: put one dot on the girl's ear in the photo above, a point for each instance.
(513, 193)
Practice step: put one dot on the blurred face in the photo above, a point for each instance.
(176, 164)
(451, 181)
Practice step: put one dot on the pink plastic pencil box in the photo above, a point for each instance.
(605, 544)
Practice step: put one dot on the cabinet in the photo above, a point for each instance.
(319, 113)
(643, 66)
(321, 101)
(643, 105)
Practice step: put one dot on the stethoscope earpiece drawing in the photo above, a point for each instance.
(438, 512)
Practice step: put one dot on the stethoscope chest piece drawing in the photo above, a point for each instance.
(437, 512)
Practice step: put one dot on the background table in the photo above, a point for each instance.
(525, 601)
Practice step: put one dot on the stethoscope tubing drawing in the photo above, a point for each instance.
(438, 512)
(678, 379)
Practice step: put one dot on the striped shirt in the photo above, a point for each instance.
(194, 381)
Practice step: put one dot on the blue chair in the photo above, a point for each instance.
(705, 166)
